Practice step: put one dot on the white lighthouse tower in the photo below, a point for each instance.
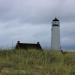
(55, 34)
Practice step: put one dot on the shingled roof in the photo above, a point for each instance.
(28, 45)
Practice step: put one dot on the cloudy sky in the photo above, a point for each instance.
(30, 21)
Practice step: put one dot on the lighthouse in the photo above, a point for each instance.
(55, 34)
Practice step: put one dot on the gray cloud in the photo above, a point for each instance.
(30, 21)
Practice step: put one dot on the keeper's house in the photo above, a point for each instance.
(28, 45)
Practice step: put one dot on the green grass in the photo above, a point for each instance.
(36, 62)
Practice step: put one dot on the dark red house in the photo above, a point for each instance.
(28, 45)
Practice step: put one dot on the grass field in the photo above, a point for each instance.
(36, 62)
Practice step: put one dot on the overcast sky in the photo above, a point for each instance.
(30, 21)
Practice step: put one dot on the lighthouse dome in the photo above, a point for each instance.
(55, 19)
